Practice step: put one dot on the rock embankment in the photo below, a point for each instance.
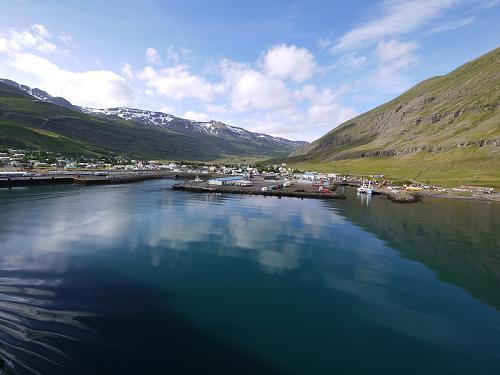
(403, 197)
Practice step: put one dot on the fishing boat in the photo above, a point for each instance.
(365, 189)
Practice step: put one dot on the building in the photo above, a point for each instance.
(227, 181)
(243, 183)
(311, 176)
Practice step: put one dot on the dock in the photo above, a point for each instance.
(115, 179)
(294, 191)
(100, 178)
(35, 180)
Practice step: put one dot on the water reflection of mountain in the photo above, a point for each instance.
(457, 239)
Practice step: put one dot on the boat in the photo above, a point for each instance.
(365, 189)
(196, 180)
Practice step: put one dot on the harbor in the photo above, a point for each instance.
(247, 180)
(259, 185)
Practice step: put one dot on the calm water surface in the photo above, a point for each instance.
(140, 279)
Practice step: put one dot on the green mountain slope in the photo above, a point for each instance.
(28, 123)
(444, 130)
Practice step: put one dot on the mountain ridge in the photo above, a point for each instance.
(40, 94)
(212, 127)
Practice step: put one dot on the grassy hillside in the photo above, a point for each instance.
(32, 124)
(444, 130)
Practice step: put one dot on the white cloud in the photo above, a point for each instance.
(324, 43)
(47, 47)
(271, 106)
(178, 82)
(172, 55)
(389, 77)
(395, 58)
(399, 17)
(17, 41)
(196, 116)
(349, 61)
(93, 88)
(250, 89)
(168, 110)
(65, 38)
(255, 90)
(219, 109)
(394, 49)
(325, 108)
(289, 62)
(448, 26)
(41, 30)
(312, 114)
(152, 56)
(127, 71)
(175, 55)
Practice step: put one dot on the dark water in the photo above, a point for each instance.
(138, 279)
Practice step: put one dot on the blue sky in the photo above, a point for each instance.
(294, 69)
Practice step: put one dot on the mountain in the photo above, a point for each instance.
(190, 127)
(39, 94)
(444, 130)
(33, 119)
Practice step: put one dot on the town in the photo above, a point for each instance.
(27, 167)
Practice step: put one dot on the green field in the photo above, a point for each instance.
(453, 168)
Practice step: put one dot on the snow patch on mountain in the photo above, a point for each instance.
(147, 117)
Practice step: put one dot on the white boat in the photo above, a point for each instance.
(365, 189)
(196, 180)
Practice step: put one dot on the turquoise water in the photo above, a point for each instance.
(140, 279)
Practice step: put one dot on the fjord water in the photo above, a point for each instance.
(141, 279)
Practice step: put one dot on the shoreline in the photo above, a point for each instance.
(276, 193)
(304, 191)
(489, 198)
(426, 194)
(90, 179)
(397, 196)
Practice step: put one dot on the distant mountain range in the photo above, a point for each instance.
(445, 129)
(181, 138)
(197, 128)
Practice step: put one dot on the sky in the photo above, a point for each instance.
(294, 69)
